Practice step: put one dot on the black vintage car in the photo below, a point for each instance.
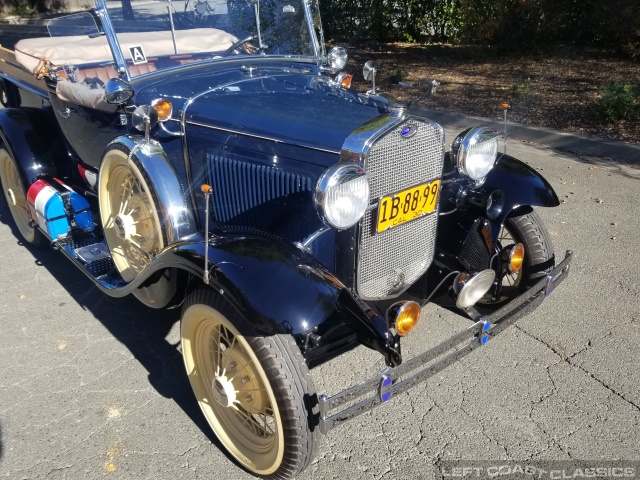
(215, 157)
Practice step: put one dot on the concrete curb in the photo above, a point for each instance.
(569, 142)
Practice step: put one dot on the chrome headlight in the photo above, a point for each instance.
(337, 58)
(342, 195)
(474, 152)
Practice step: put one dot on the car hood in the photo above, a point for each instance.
(303, 110)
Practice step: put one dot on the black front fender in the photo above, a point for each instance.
(521, 185)
(279, 288)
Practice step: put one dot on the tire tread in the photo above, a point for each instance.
(539, 255)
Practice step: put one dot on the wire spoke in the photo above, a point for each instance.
(219, 356)
(247, 419)
(247, 390)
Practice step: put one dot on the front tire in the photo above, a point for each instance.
(539, 259)
(526, 228)
(16, 197)
(255, 391)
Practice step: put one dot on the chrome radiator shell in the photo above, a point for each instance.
(387, 263)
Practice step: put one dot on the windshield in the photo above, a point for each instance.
(160, 34)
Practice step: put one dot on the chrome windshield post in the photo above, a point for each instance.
(120, 62)
(318, 49)
(171, 24)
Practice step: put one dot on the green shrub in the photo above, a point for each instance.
(408, 38)
(21, 7)
(632, 48)
(619, 102)
(398, 76)
(521, 89)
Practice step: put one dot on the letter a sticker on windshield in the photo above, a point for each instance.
(137, 55)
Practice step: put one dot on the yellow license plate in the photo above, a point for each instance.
(407, 205)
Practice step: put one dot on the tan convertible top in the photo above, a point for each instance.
(81, 50)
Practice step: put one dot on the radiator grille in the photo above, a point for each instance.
(388, 262)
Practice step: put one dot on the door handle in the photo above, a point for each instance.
(67, 112)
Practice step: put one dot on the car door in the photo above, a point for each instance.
(84, 65)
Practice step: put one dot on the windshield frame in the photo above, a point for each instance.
(102, 12)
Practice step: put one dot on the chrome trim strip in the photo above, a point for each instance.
(358, 143)
(185, 157)
(25, 86)
(314, 236)
(237, 132)
(478, 334)
(169, 132)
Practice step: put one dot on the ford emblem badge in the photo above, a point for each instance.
(408, 132)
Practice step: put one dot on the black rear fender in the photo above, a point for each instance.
(35, 141)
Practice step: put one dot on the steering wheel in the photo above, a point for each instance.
(239, 43)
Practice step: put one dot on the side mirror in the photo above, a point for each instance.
(117, 91)
(144, 118)
(369, 71)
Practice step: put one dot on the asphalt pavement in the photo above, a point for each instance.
(94, 387)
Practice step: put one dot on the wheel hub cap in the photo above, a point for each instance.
(223, 391)
(125, 226)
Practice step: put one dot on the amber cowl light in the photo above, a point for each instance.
(164, 108)
(346, 81)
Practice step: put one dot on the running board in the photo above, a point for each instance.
(91, 255)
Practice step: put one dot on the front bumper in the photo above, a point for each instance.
(381, 388)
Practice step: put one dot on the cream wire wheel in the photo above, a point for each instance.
(252, 390)
(129, 215)
(15, 195)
